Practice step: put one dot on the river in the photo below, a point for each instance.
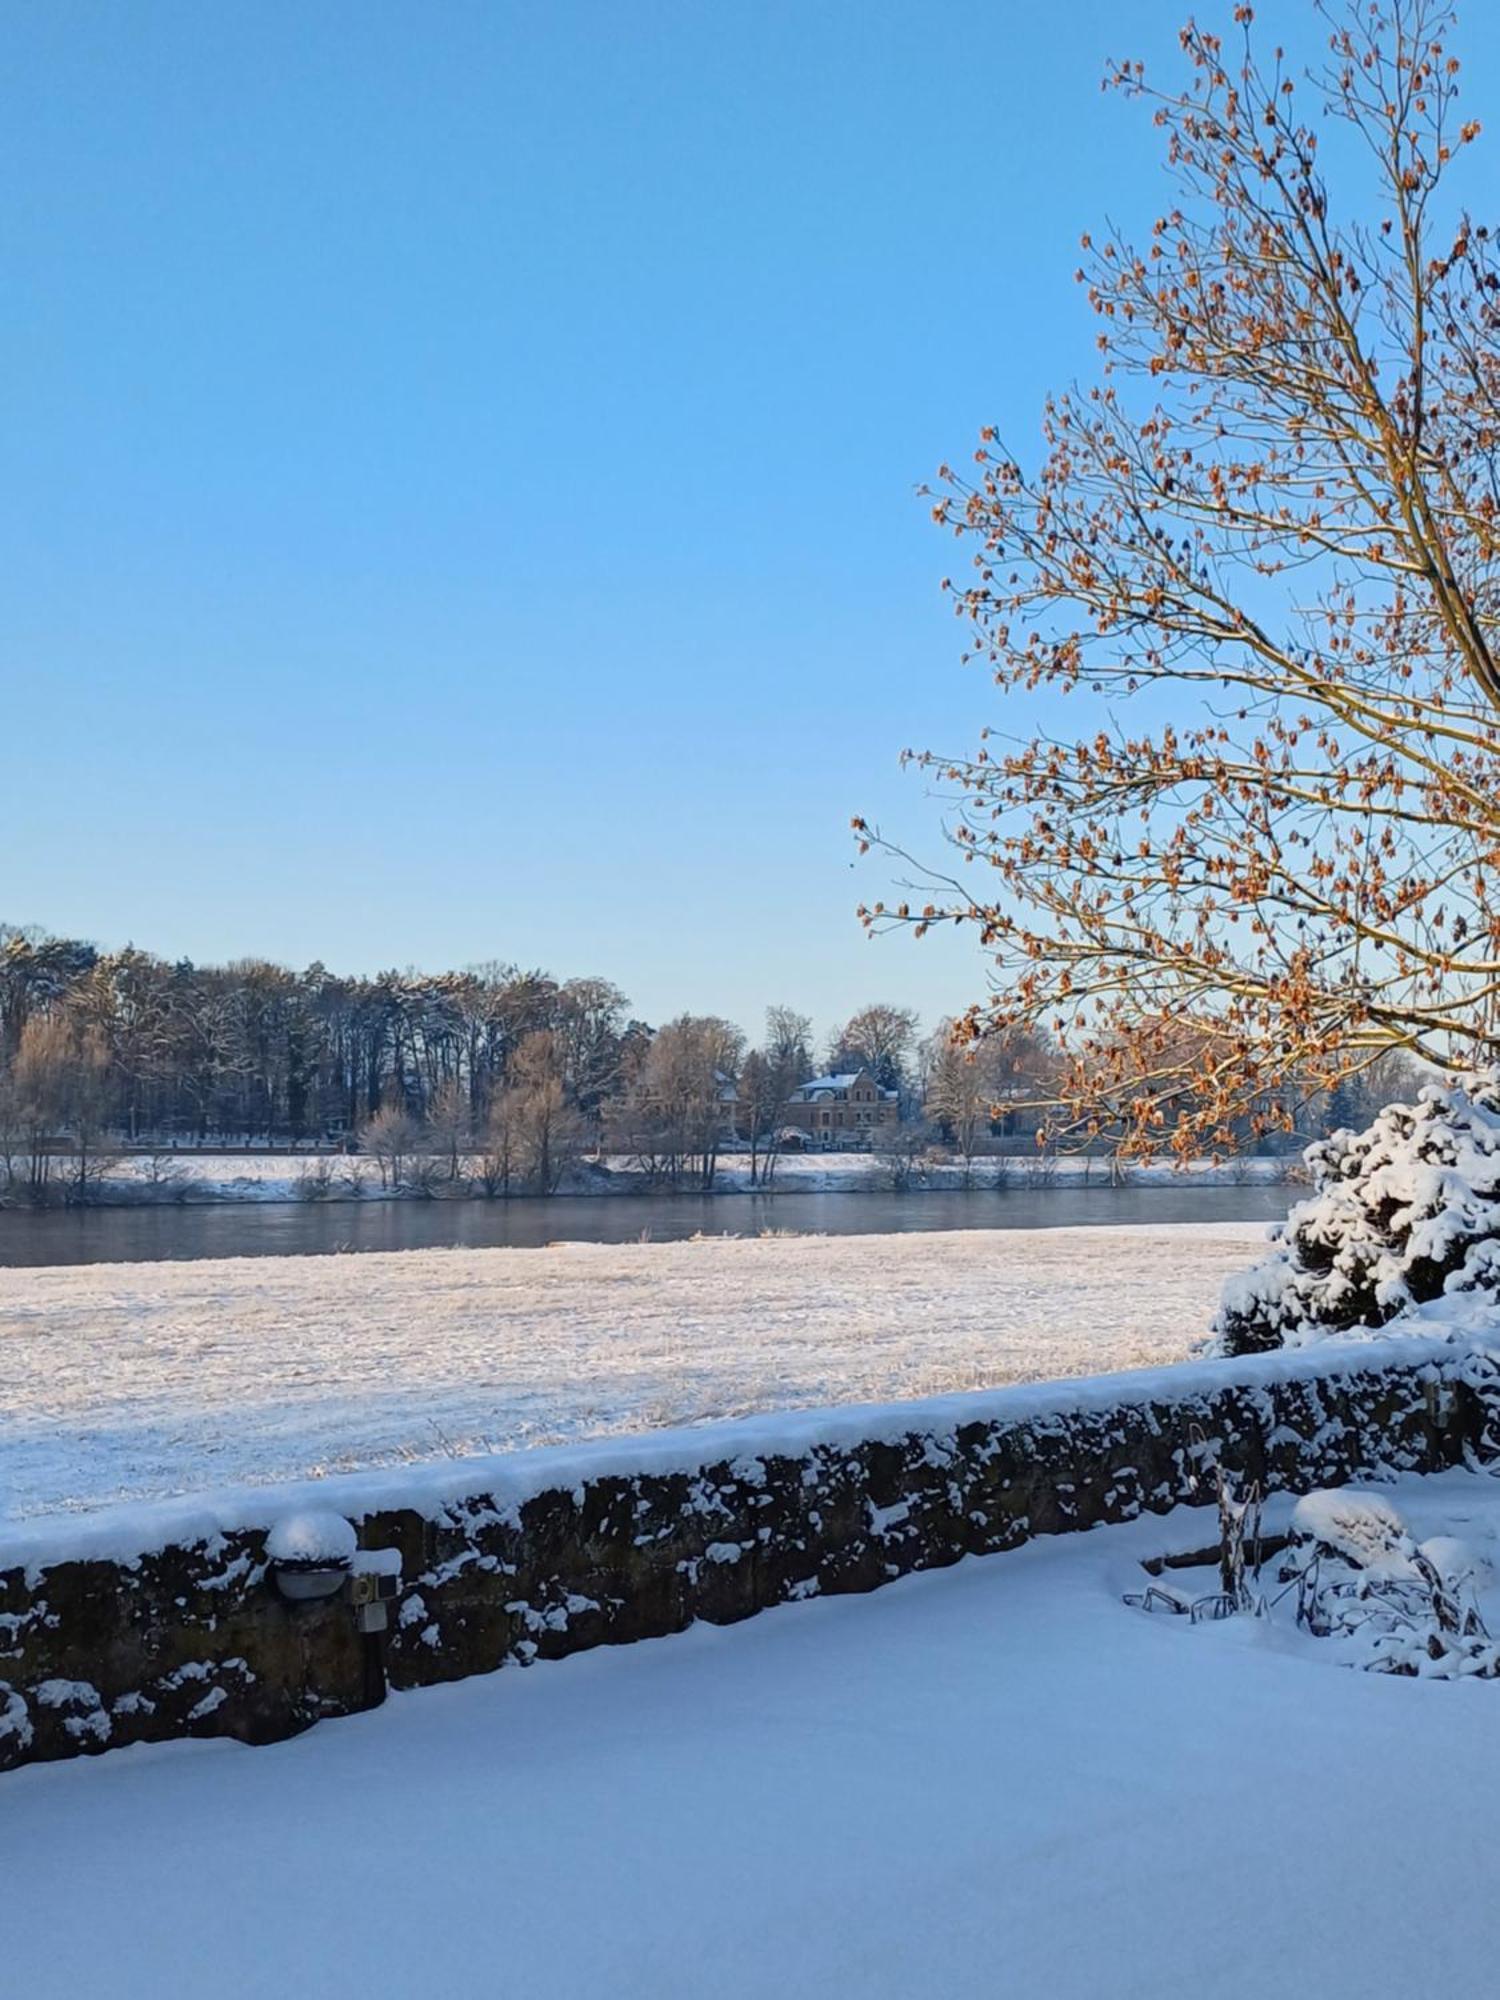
(294, 1228)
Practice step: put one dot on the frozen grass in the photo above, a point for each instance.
(136, 1380)
(995, 1779)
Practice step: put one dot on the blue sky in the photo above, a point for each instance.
(460, 499)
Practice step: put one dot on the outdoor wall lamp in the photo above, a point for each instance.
(317, 1555)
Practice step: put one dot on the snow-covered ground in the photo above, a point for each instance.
(835, 1172)
(994, 1779)
(273, 1176)
(135, 1380)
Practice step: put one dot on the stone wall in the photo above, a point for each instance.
(145, 1624)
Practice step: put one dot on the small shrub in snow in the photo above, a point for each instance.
(424, 1176)
(1239, 1532)
(1352, 1574)
(1405, 1212)
(1239, 1558)
(1402, 1607)
(315, 1182)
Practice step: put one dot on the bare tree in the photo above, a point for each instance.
(676, 1115)
(1273, 524)
(40, 1076)
(549, 1133)
(762, 1103)
(391, 1138)
(450, 1124)
(767, 1078)
(901, 1150)
(499, 1165)
(56, 1103)
(972, 1086)
(12, 1126)
(878, 1038)
(788, 1043)
(960, 1090)
(86, 1106)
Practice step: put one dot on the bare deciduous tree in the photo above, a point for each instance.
(788, 1043)
(391, 1138)
(498, 1166)
(767, 1078)
(1262, 553)
(450, 1125)
(878, 1038)
(675, 1117)
(86, 1104)
(961, 1090)
(548, 1132)
(901, 1149)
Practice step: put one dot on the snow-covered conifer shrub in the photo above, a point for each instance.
(1403, 1213)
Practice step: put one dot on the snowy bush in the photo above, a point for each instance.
(1404, 1213)
(1353, 1575)
(1398, 1606)
(316, 1181)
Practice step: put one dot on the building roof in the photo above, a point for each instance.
(827, 1086)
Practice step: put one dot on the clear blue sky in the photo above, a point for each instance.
(459, 498)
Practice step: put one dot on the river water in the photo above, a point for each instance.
(275, 1229)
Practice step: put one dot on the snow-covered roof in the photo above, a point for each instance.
(829, 1083)
(829, 1086)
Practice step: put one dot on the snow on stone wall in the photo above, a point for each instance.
(158, 1622)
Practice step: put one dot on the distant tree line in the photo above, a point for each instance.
(497, 1073)
(495, 1078)
(251, 1050)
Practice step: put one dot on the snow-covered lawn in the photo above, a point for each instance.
(991, 1780)
(131, 1380)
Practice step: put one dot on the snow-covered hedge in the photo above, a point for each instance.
(1406, 1214)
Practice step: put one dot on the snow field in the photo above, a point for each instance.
(990, 1779)
(128, 1381)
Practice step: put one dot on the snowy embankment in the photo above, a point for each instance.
(851, 1173)
(991, 1779)
(126, 1381)
(134, 1179)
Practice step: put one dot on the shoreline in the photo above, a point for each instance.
(264, 1178)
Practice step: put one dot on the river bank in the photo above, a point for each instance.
(187, 1178)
